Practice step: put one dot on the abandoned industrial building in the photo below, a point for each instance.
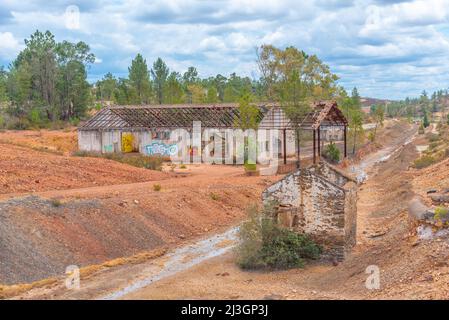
(318, 200)
(149, 126)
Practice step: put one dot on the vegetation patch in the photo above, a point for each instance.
(264, 244)
(136, 160)
(332, 153)
(424, 161)
(214, 196)
(441, 213)
(250, 166)
(157, 187)
(56, 203)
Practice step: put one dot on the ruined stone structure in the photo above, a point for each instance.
(320, 201)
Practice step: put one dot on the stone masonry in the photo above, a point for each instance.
(320, 201)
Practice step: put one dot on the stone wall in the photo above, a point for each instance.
(321, 202)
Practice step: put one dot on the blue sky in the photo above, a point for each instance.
(388, 49)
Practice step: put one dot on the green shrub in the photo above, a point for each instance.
(421, 129)
(35, 116)
(18, 124)
(433, 145)
(265, 244)
(214, 196)
(250, 166)
(182, 166)
(441, 213)
(157, 187)
(135, 160)
(332, 153)
(74, 121)
(56, 203)
(2, 121)
(425, 120)
(424, 161)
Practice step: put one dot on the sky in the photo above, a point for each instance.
(387, 49)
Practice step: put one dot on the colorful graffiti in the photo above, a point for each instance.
(108, 148)
(159, 148)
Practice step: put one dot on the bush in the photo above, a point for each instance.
(135, 160)
(421, 129)
(56, 203)
(434, 145)
(74, 121)
(18, 124)
(441, 213)
(332, 153)
(424, 161)
(432, 137)
(265, 244)
(425, 120)
(250, 166)
(157, 187)
(214, 196)
(35, 117)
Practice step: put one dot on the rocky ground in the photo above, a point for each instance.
(44, 232)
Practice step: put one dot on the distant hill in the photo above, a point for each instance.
(368, 102)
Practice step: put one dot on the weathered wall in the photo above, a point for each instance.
(320, 202)
(89, 141)
(111, 141)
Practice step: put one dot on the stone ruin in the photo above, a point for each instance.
(320, 201)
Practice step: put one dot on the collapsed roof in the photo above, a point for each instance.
(270, 116)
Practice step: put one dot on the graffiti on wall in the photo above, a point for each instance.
(160, 148)
(108, 148)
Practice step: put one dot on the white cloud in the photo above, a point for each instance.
(387, 49)
(9, 46)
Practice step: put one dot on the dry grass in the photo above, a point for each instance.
(27, 145)
(16, 289)
(9, 291)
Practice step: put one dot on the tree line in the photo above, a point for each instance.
(160, 85)
(47, 84)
